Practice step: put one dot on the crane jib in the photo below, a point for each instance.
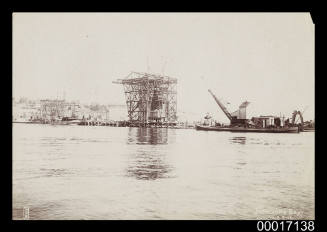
(222, 107)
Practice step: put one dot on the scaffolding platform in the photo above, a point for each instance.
(150, 98)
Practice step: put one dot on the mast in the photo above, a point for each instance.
(222, 107)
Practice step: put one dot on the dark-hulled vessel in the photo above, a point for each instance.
(262, 124)
(247, 129)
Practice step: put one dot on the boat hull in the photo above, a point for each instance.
(309, 129)
(255, 130)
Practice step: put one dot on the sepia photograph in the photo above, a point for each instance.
(163, 116)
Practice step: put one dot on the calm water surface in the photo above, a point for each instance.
(80, 172)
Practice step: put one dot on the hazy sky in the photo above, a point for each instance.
(265, 58)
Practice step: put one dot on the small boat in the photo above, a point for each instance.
(248, 129)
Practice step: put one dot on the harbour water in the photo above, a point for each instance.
(85, 172)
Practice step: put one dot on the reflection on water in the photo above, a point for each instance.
(239, 140)
(152, 136)
(145, 166)
(147, 163)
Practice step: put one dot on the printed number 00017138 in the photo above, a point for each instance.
(285, 226)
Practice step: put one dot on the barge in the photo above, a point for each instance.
(248, 129)
(262, 124)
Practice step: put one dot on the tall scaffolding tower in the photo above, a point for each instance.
(150, 98)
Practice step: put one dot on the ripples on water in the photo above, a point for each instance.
(80, 172)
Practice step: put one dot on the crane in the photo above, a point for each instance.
(222, 107)
(238, 117)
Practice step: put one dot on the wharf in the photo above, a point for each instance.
(110, 124)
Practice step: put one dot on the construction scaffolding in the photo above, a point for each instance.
(58, 109)
(150, 98)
